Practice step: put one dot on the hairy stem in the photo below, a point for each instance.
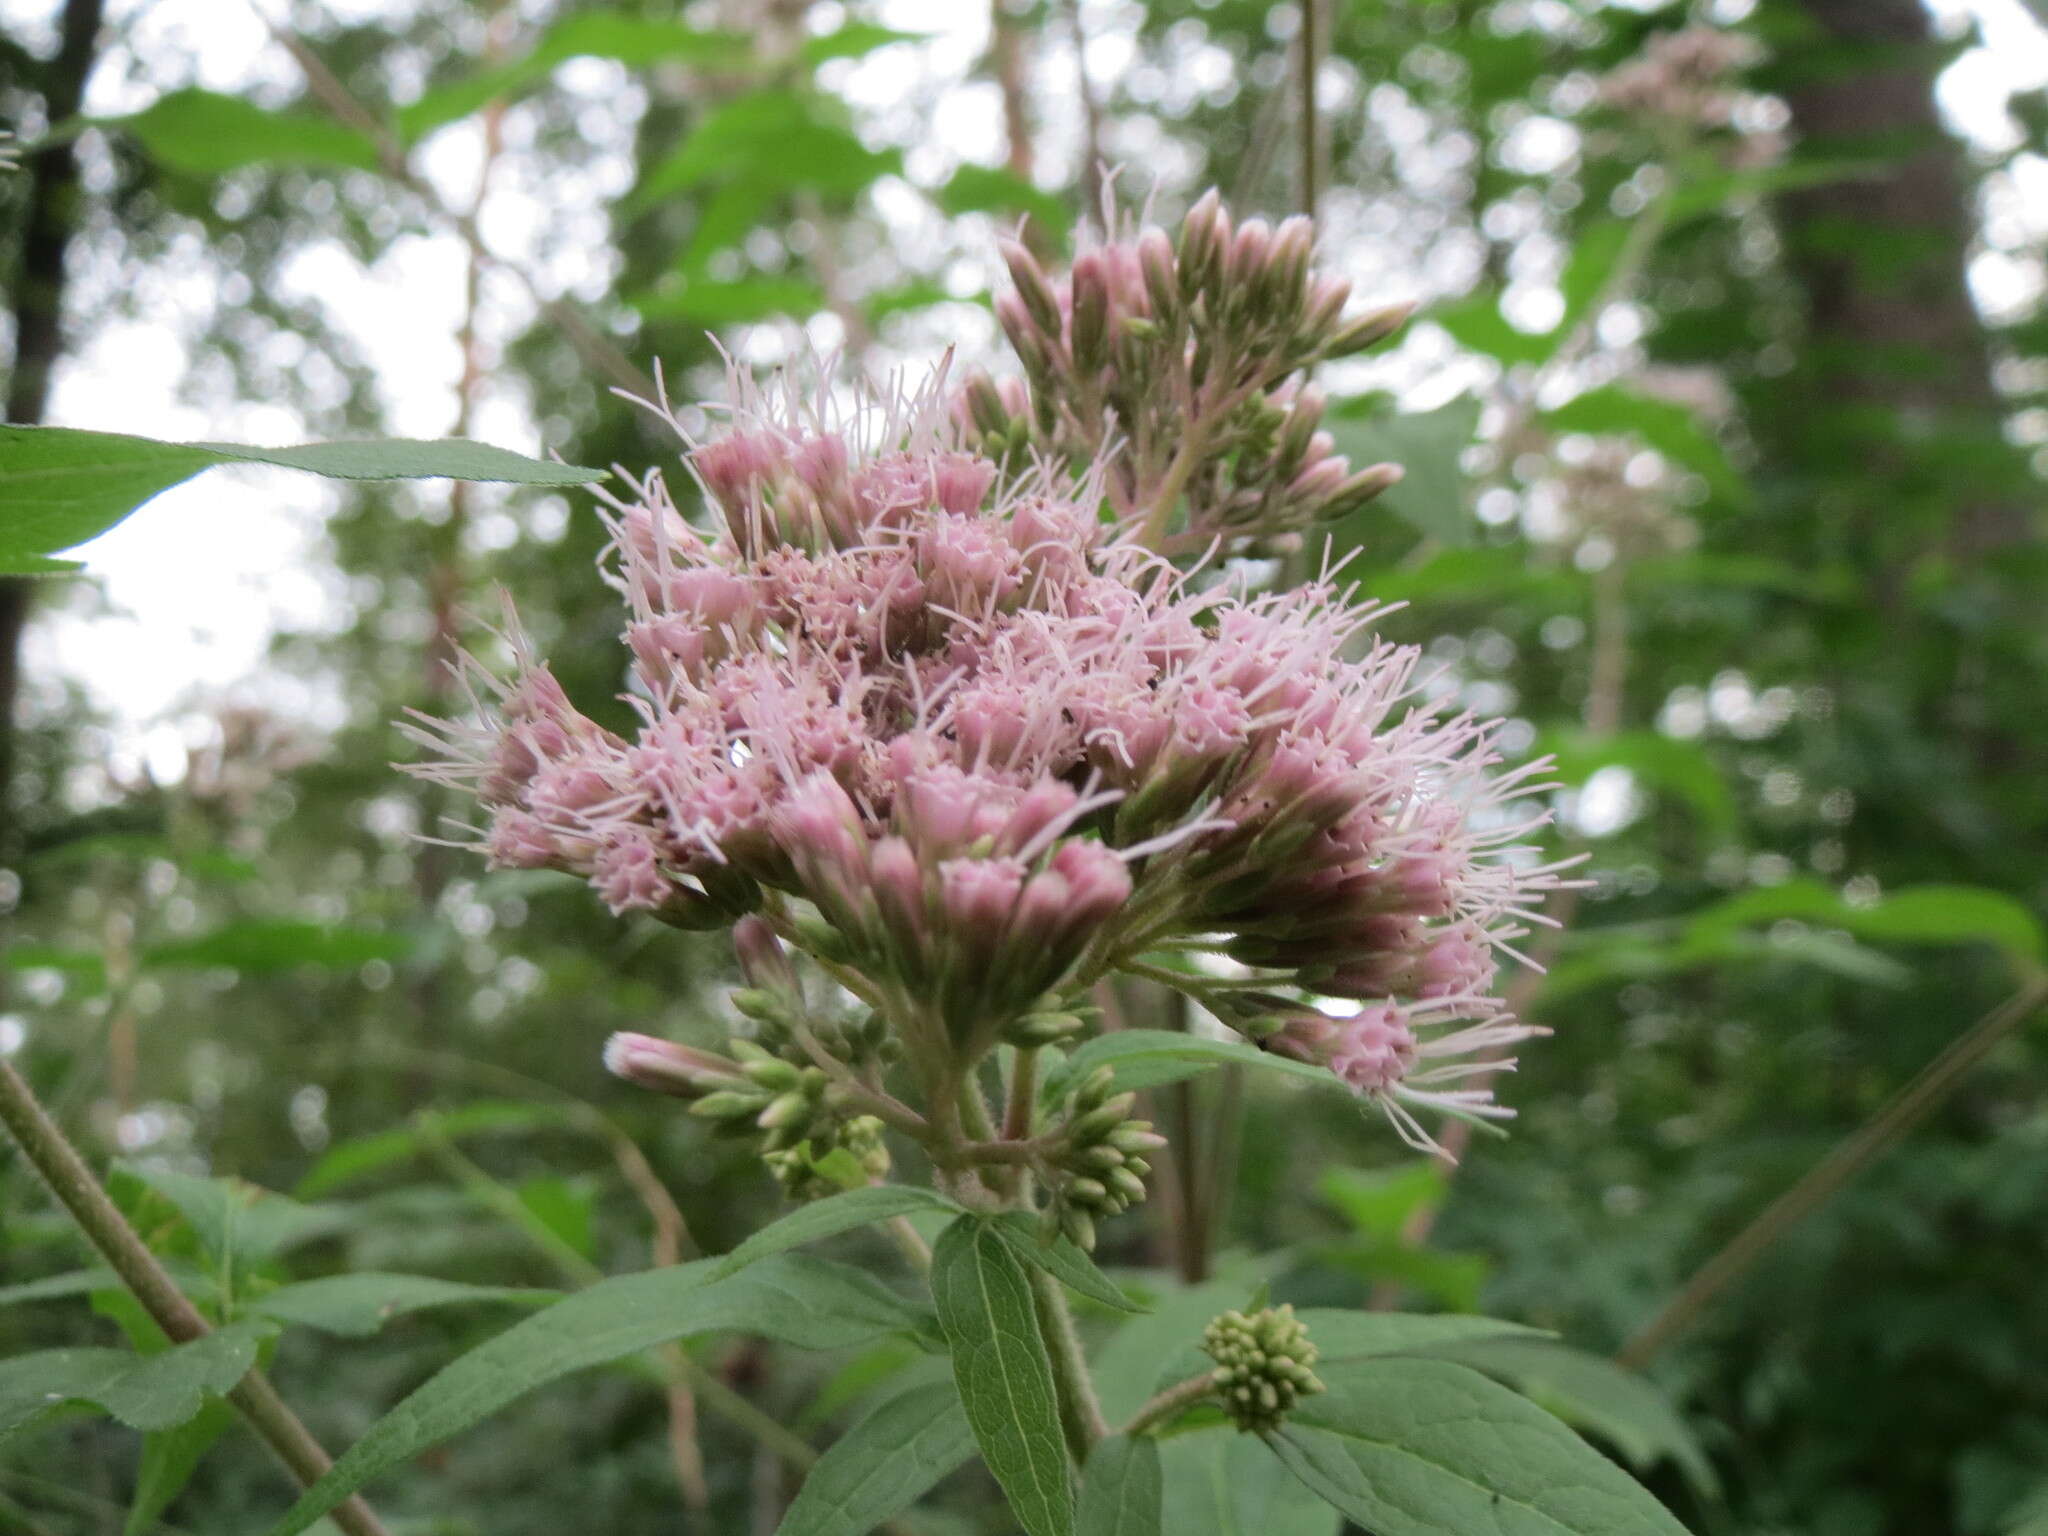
(65, 1172)
(1023, 1098)
(1166, 1405)
(1080, 1410)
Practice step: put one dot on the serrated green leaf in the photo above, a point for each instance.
(357, 1305)
(1914, 914)
(1230, 1485)
(1428, 445)
(262, 945)
(204, 133)
(884, 1464)
(831, 1216)
(1343, 1333)
(169, 1458)
(1409, 1446)
(802, 1301)
(1121, 1493)
(1004, 1374)
(148, 1392)
(1149, 1058)
(238, 1223)
(1061, 1259)
(1592, 1393)
(61, 487)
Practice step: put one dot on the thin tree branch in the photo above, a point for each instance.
(68, 1178)
(1906, 1109)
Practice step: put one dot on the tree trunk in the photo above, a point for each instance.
(38, 303)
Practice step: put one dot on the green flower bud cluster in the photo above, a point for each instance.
(1099, 1167)
(1262, 1366)
(1050, 1022)
(800, 1115)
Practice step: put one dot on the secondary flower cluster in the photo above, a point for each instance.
(974, 747)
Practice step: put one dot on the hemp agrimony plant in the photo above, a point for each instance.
(961, 707)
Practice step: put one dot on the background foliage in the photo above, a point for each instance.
(1724, 478)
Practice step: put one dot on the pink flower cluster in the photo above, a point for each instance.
(1002, 750)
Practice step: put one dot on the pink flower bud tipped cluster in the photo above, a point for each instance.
(1193, 345)
(906, 698)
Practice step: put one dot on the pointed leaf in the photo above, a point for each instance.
(61, 487)
(1230, 1485)
(1149, 1058)
(1340, 1333)
(1004, 1374)
(1060, 1258)
(1592, 1393)
(148, 1392)
(807, 1302)
(203, 133)
(829, 1217)
(1120, 1490)
(1429, 446)
(357, 1305)
(1408, 1446)
(169, 1458)
(883, 1464)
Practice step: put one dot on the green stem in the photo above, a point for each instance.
(1160, 514)
(1168, 1404)
(1080, 1410)
(65, 1172)
(1023, 1102)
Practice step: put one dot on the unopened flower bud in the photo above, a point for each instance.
(1263, 1366)
(648, 1061)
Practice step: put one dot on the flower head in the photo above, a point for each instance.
(924, 713)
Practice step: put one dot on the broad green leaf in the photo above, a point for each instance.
(831, 1216)
(1665, 425)
(357, 1305)
(1120, 1490)
(1000, 1364)
(1592, 1393)
(1341, 1333)
(1162, 1346)
(61, 487)
(864, 1373)
(148, 1392)
(883, 1464)
(802, 1301)
(1381, 1202)
(1148, 1058)
(635, 41)
(994, 189)
(353, 1159)
(1476, 322)
(261, 944)
(852, 40)
(1681, 768)
(1594, 255)
(563, 1208)
(1230, 1485)
(1429, 447)
(778, 138)
(1914, 914)
(169, 1458)
(1409, 1446)
(1061, 1259)
(709, 302)
(77, 1282)
(238, 1223)
(203, 133)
